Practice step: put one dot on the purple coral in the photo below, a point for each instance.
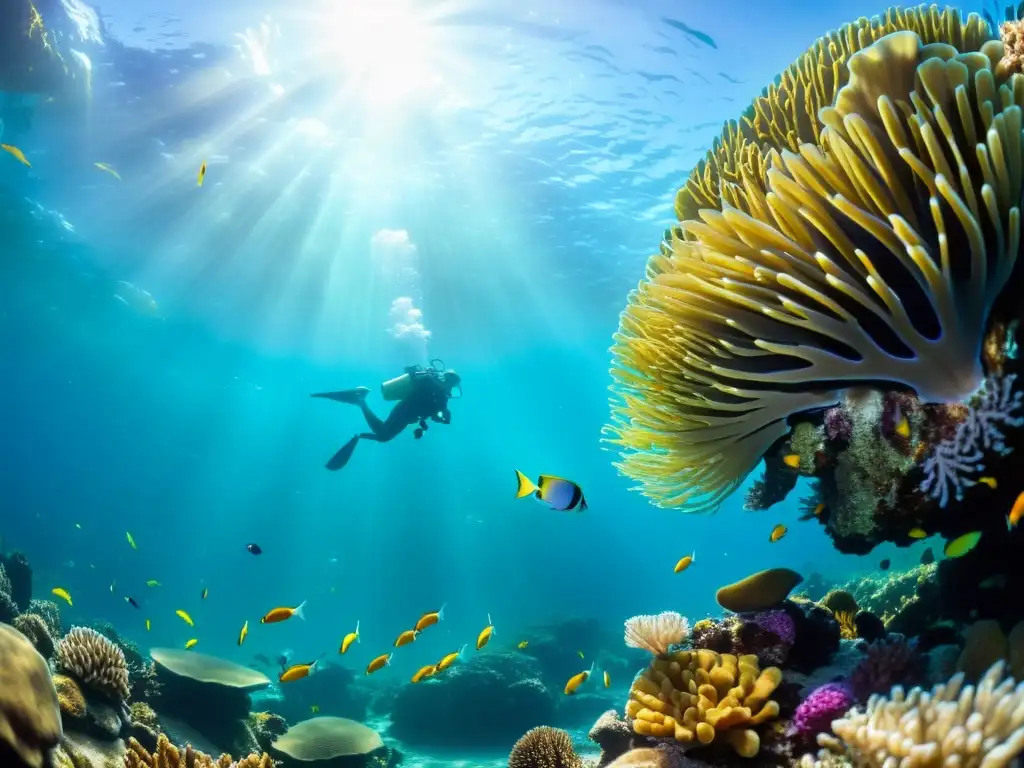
(888, 662)
(815, 714)
(778, 622)
(953, 460)
(838, 424)
(768, 634)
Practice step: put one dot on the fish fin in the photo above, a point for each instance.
(440, 613)
(357, 632)
(462, 650)
(299, 611)
(387, 661)
(693, 556)
(583, 504)
(341, 458)
(526, 486)
(1009, 525)
(349, 396)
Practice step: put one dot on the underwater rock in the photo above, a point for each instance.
(886, 663)
(489, 701)
(759, 591)
(839, 667)
(869, 627)
(49, 611)
(332, 689)
(86, 751)
(613, 734)
(30, 724)
(86, 711)
(20, 574)
(817, 635)
(34, 627)
(557, 646)
(8, 608)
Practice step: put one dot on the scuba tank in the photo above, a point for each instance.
(400, 387)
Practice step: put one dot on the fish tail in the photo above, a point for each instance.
(440, 613)
(1009, 523)
(693, 556)
(462, 650)
(299, 611)
(526, 486)
(387, 661)
(583, 504)
(357, 632)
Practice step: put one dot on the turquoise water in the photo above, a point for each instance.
(504, 170)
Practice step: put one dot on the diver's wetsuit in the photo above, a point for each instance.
(428, 400)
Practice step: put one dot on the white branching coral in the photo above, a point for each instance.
(95, 662)
(657, 633)
(954, 462)
(952, 726)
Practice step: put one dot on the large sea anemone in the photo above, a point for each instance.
(855, 227)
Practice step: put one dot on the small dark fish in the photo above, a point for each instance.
(884, 565)
(927, 557)
(131, 602)
(254, 548)
(206, 591)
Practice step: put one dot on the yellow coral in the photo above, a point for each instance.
(72, 702)
(142, 713)
(169, 756)
(698, 696)
(847, 624)
(857, 225)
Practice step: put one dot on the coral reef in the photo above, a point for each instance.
(769, 635)
(984, 644)
(613, 735)
(30, 725)
(817, 711)
(70, 697)
(94, 661)
(698, 696)
(951, 725)
(167, 755)
(657, 634)
(488, 701)
(886, 663)
(19, 575)
(759, 591)
(265, 727)
(35, 628)
(143, 714)
(49, 611)
(544, 747)
(8, 608)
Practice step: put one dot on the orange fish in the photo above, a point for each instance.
(485, 634)
(351, 637)
(423, 672)
(777, 533)
(409, 636)
(577, 680)
(379, 663)
(297, 672)
(792, 460)
(429, 619)
(448, 660)
(818, 510)
(684, 562)
(1016, 513)
(283, 614)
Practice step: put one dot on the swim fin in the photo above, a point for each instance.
(350, 396)
(340, 459)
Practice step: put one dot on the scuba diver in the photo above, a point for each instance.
(422, 393)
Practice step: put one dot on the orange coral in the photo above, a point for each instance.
(169, 756)
(1012, 35)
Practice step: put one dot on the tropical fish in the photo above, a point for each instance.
(191, 643)
(917, 533)
(297, 672)
(314, 708)
(449, 659)
(185, 617)
(902, 428)
(819, 509)
(580, 654)
(989, 481)
(961, 545)
(777, 533)
(152, 583)
(16, 153)
(283, 614)
(245, 631)
(485, 634)
(429, 619)
(148, 625)
(792, 460)
(62, 593)
(423, 672)
(1016, 513)
(78, 526)
(577, 680)
(558, 493)
(409, 636)
(685, 562)
(131, 601)
(254, 548)
(107, 168)
(201, 175)
(607, 680)
(112, 586)
(378, 663)
(206, 591)
(347, 640)
(523, 644)
(927, 557)
(884, 565)
(130, 540)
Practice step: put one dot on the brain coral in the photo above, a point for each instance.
(855, 226)
(544, 747)
(29, 714)
(95, 662)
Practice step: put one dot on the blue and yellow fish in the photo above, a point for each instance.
(558, 493)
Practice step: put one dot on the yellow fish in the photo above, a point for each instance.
(449, 659)
(917, 533)
(485, 634)
(423, 672)
(819, 509)
(206, 592)
(523, 644)
(243, 633)
(409, 636)
(685, 562)
(62, 593)
(130, 540)
(148, 625)
(557, 492)
(580, 653)
(903, 427)
(961, 545)
(283, 614)
(314, 708)
(201, 175)
(297, 672)
(152, 583)
(989, 481)
(429, 619)
(107, 168)
(16, 153)
(191, 643)
(792, 460)
(1016, 512)
(347, 640)
(607, 680)
(379, 663)
(185, 617)
(577, 680)
(777, 533)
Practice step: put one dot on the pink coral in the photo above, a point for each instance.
(815, 714)
(838, 424)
